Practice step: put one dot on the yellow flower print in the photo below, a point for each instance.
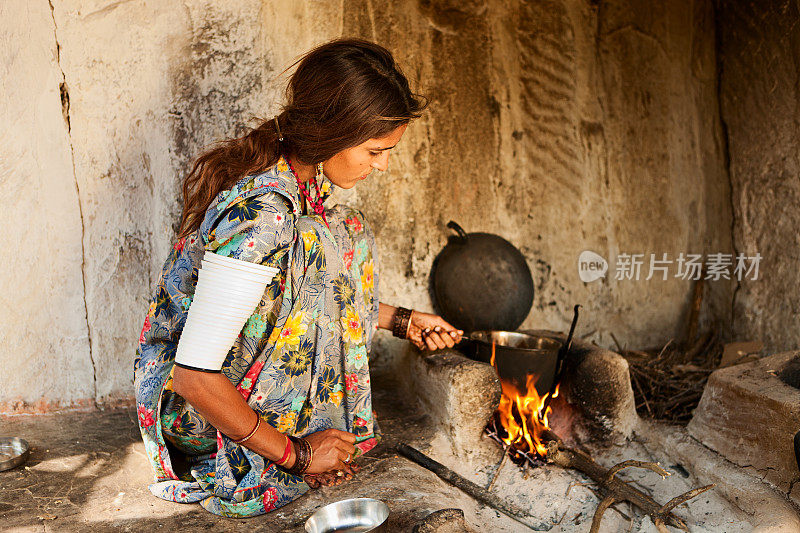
(309, 239)
(351, 326)
(291, 332)
(336, 397)
(282, 166)
(326, 187)
(286, 421)
(368, 277)
(168, 383)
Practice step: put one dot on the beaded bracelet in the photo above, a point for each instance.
(401, 322)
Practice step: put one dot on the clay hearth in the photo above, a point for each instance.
(461, 394)
(750, 413)
(595, 411)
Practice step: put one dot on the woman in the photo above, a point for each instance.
(299, 367)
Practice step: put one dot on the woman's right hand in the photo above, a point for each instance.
(332, 448)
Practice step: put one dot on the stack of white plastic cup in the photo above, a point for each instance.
(227, 292)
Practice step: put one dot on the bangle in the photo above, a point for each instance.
(304, 456)
(401, 321)
(286, 453)
(250, 435)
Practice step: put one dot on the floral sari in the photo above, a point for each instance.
(300, 361)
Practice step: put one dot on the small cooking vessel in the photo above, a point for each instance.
(14, 451)
(517, 355)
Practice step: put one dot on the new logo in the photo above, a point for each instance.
(591, 266)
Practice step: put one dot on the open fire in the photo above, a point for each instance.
(520, 425)
(520, 422)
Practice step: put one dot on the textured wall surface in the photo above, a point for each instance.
(561, 125)
(44, 340)
(760, 105)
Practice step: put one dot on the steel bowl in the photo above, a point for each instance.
(13, 452)
(356, 515)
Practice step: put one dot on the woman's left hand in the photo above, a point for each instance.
(432, 332)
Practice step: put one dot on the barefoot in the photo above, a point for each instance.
(334, 477)
(312, 481)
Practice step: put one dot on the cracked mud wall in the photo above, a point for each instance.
(43, 331)
(760, 103)
(561, 125)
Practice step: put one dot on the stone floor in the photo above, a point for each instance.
(88, 472)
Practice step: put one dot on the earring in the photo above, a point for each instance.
(319, 170)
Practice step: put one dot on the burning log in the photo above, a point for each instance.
(518, 452)
(618, 490)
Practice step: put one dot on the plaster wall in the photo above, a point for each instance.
(44, 339)
(760, 105)
(561, 125)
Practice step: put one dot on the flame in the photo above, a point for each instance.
(523, 416)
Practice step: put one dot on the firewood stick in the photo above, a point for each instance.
(641, 392)
(638, 353)
(619, 346)
(683, 498)
(549, 435)
(664, 349)
(698, 346)
(499, 468)
(477, 492)
(655, 467)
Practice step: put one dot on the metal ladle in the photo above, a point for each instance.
(562, 355)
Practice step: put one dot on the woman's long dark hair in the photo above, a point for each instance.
(343, 92)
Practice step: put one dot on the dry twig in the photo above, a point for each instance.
(607, 502)
(668, 382)
(618, 490)
(655, 467)
(499, 468)
(577, 484)
(683, 498)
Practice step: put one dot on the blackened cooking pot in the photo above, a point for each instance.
(517, 355)
(482, 284)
